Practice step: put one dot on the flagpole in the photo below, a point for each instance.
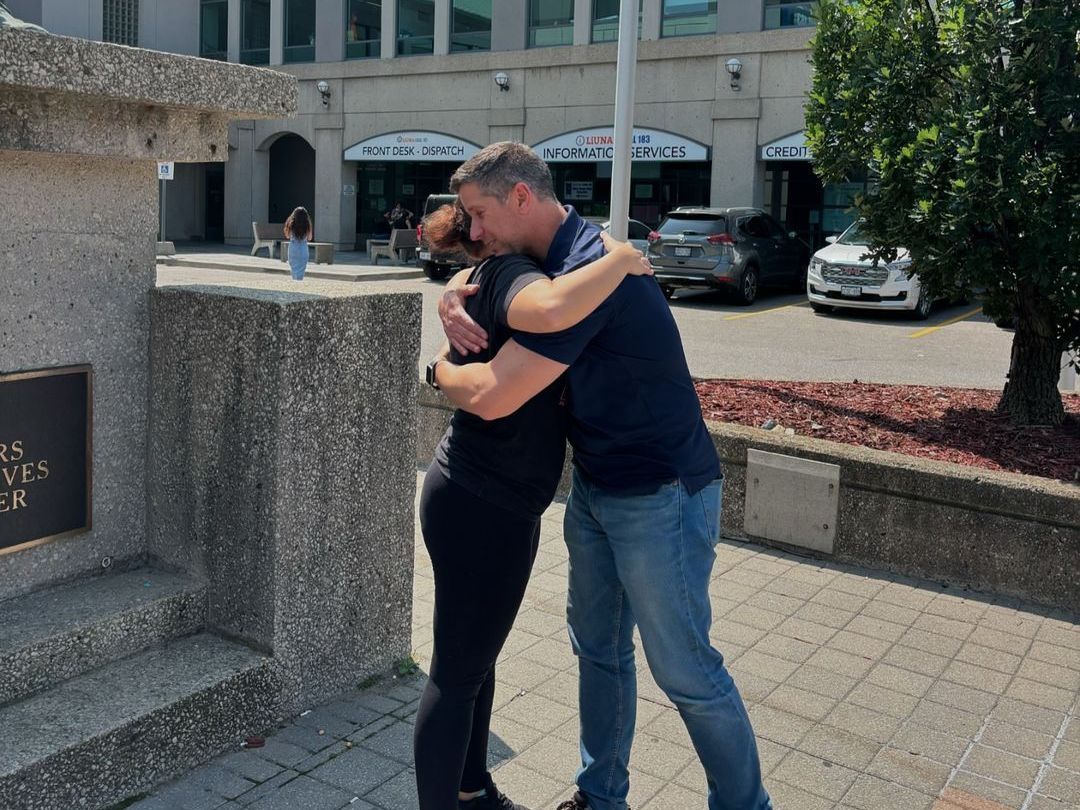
(625, 71)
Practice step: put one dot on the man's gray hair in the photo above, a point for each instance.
(496, 169)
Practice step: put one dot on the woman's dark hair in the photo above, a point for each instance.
(298, 225)
(446, 230)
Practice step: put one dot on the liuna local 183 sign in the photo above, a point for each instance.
(45, 455)
(598, 144)
(400, 146)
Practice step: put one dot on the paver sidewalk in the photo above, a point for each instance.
(866, 691)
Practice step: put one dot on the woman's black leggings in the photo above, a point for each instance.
(482, 556)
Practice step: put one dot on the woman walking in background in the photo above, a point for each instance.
(298, 232)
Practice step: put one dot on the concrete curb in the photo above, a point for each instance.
(312, 272)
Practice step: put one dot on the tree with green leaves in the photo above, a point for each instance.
(967, 114)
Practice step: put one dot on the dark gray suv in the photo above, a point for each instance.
(737, 249)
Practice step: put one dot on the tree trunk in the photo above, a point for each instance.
(1031, 395)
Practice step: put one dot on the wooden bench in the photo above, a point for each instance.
(324, 251)
(401, 246)
(267, 235)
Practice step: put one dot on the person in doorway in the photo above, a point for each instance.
(399, 216)
(298, 232)
(493, 476)
(644, 510)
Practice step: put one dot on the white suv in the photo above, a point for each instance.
(842, 275)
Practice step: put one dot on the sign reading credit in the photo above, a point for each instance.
(790, 147)
(410, 146)
(598, 144)
(45, 456)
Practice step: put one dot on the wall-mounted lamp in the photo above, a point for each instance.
(503, 81)
(734, 67)
(324, 90)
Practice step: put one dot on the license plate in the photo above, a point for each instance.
(425, 255)
(851, 292)
(682, 251)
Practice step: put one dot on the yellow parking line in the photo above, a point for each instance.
(931, 329)
(763, 311)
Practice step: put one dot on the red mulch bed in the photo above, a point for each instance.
(944, 424)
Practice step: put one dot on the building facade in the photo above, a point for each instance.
(394, 94)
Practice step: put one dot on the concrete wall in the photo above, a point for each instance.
(76, 264)
(282, 447)
(998, 532)
(169, 26)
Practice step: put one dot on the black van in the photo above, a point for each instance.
(438, 266)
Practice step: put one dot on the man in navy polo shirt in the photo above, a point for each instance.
(644, 511)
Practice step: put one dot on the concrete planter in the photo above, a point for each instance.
(1010, 534)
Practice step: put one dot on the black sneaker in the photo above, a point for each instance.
(493, 799)
(577, 802)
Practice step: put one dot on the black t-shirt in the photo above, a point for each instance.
(514, 462)
(635, 418)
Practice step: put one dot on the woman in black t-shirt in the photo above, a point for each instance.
(480, 510)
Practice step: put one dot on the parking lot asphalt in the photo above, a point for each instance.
(779, 337)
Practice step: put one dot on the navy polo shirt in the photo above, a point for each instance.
(635, 418)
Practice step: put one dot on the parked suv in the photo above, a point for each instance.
(841, 274)
(738, 249)
(438, 266)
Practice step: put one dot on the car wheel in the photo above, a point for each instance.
(436, 272)
(922, 306)
(822, 309)
(667, 290)
(748, 286)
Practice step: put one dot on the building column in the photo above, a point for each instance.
(233, 32)
(443, 10)
(509, 25)
(389, 29)
(332, 220)
(238, 183)
(652, 14)
(329, 32)
(582, 22)
(277, 32)
(734, 163)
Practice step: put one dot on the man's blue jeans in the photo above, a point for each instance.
(647, 559)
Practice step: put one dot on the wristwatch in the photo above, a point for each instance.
(430, 373)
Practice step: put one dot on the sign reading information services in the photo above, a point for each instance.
(45, 455)
(598, 144)
(405, 146)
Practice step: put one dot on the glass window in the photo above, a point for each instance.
(551, 22)
(120, 22)
(255, 32)
(415, 27)
(684, 18)
(214, 29)
(470, 25)
(363, 29)
(299, 31)
(605, 20)
(788, 14)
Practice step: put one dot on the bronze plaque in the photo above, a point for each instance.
(46, 418)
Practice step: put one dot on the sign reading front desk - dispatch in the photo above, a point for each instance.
(45, 455)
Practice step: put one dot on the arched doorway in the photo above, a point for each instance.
(292, 177)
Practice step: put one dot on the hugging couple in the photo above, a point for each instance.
(559, 333)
